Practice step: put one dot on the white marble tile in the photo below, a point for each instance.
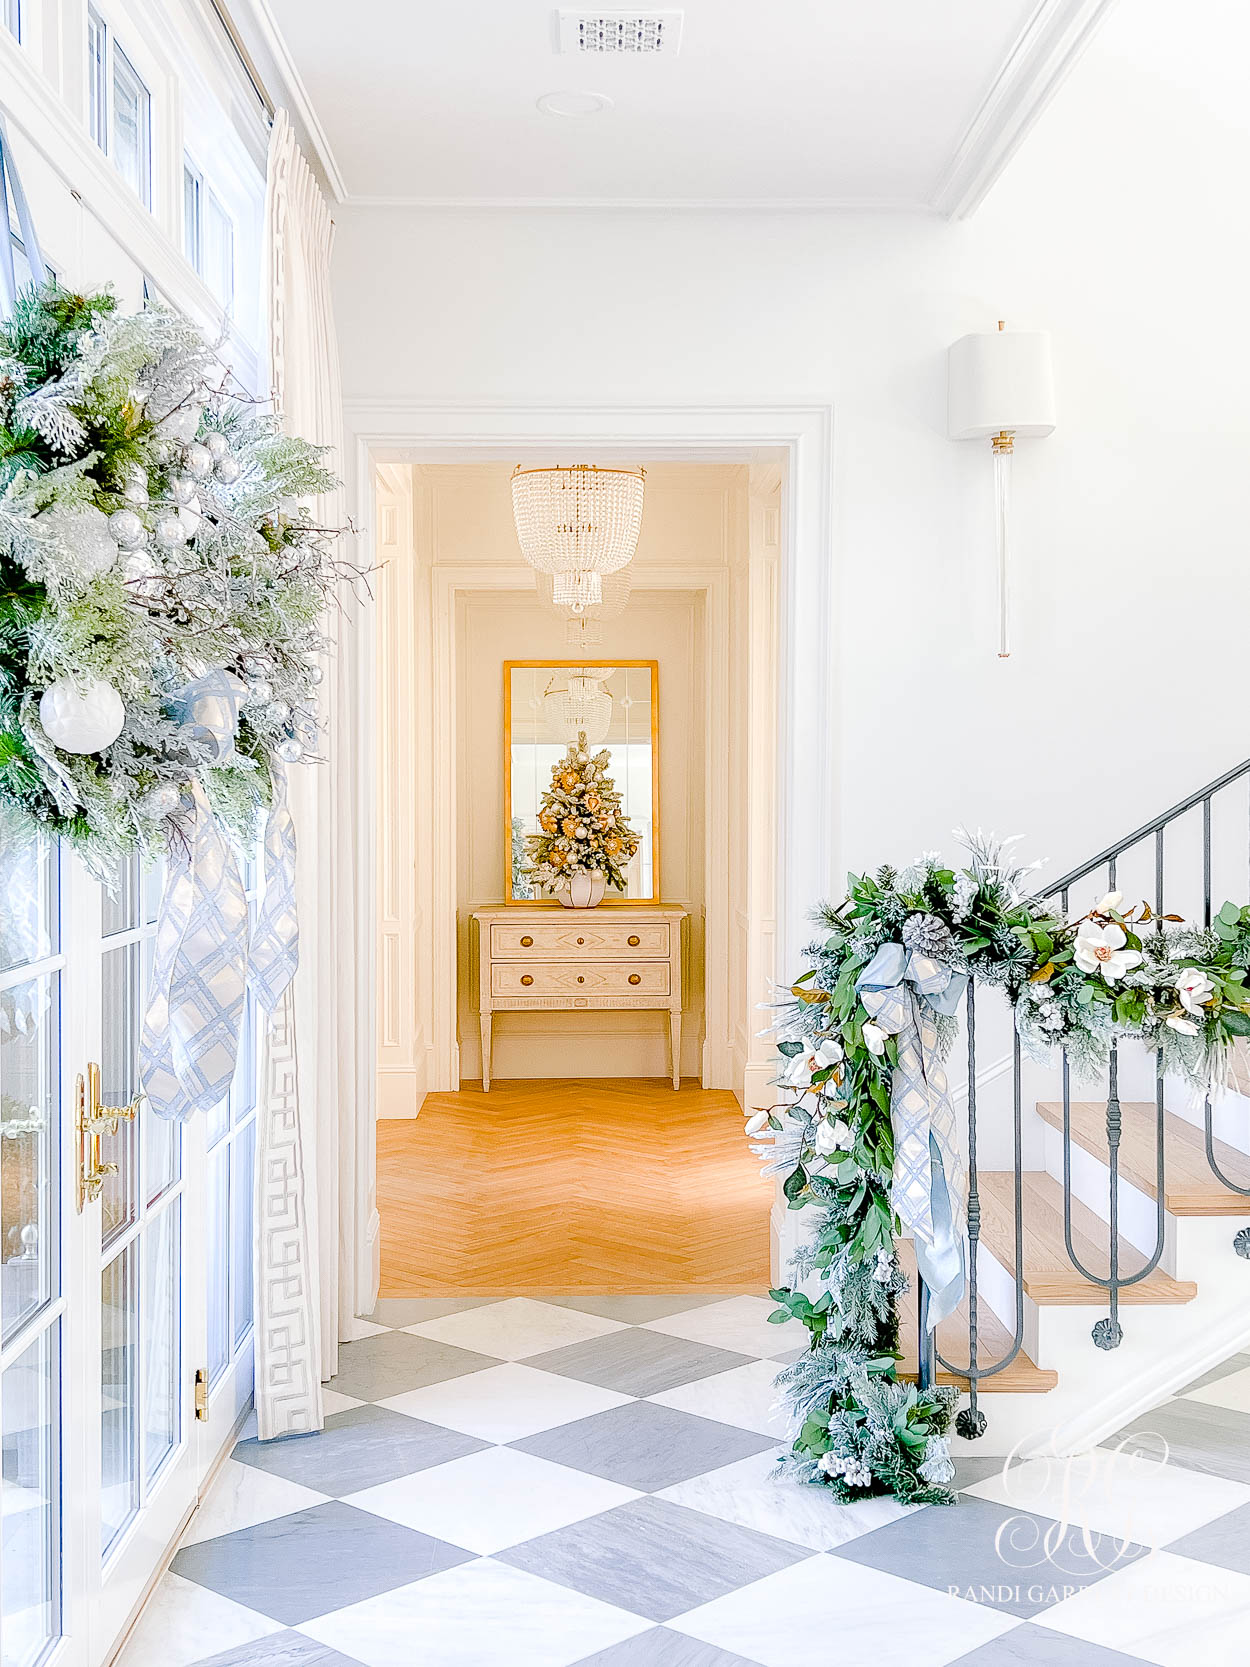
(745, 1395)
(1133, 1495)
(738, 1323)
(492, 1499)
(241, 1496)
(514, 1329)
(366, 1328)
(1232, 1392)
(749, 1494)
(184, 1622)
(824, 1611)
(477, 1615)
(1165, 1609)
(505, 1403)
(333, 1402)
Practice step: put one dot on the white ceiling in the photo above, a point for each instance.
(840, 103)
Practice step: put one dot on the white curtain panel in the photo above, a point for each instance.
(304, 1285)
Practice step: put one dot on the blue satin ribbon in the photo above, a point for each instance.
(901, 991)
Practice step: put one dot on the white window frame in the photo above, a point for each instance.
(195, 231)
(106, 59)
(11, 17)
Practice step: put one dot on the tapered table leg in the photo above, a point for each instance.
(674, 1041)
(486, 1018)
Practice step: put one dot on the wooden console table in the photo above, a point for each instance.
(621, 956)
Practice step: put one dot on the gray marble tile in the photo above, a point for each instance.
(992, 1555)
(638, 1310)
(358, 1449)
(280, 1649)
(401, 1311)
(644, 1446)
(1030, 1645)
(1215, 1440)
(309, 1563)
(972, 1468)
(1237, 1363)
(378, 1367)
(653, 1558)
(1225, 1541)
(661, 1648)
(637, 1362)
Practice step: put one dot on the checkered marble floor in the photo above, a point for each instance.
(587, 1480)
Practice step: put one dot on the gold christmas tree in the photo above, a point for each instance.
(583, 827)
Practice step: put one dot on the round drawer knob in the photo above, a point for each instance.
(527, 942)
(527, 978)
(635, 978)
(580, 979)
(581, 940)
(633, 940)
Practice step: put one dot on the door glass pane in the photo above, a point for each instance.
(218, 1262)
(241, 1192)
(30, 1050)
(119, 1482)
(121, 906)
(28, 901)
(160, 1327)
(121, 971)
(30, 1561)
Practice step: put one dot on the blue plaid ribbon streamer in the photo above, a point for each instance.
(902, 991)
(275, 938)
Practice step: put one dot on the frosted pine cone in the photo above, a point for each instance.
(926, 935)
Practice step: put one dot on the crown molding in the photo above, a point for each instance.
(280, 81)
(842, 205)
(1050, 44)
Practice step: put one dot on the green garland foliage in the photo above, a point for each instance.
(151, 530)
(1114, 973)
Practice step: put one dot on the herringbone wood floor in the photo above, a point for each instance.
(597, 1186)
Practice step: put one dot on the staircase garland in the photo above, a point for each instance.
(865, 1137)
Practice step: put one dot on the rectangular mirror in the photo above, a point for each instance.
(547, 705)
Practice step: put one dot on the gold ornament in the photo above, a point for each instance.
(569, 780)
(547, 822)
(592, 801)
(612, 845)
(569, 826)
(556, 858)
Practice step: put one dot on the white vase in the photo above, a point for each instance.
(584, 890)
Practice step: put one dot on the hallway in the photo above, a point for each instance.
(588, 1480)
(602, 1185)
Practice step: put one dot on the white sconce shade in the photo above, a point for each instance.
(1001, 387)
(1001, 380)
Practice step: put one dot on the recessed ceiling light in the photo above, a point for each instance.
(573, 103)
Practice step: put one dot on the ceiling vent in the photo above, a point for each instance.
(635, 32)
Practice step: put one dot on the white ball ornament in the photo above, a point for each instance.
(127, 529)
(289, 751)
(169, 532)
(277, 712)
(182, 489)
(199, 462)
(161, 801)
(216, 444)
(315, 674)
(228, 470)
(259, 693)
(86, 720)
(84, 534)
(181, 425)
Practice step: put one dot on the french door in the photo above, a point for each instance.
(125, 1266)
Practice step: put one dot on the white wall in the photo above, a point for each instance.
(1118, 227)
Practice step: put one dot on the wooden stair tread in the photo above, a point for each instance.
(1049, 1277)
(993, 1341)
(1190, 1189)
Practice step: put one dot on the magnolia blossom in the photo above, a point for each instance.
(874, 1037)
(1101, 949)
(1194, 988)
(815, 1057)
(1187, 1027)
(832, 1137)
(1111, 901)
(757, 1121)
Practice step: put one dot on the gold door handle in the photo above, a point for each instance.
(92, 1121)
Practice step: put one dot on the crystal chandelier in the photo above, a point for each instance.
(578, 524)
(585, 706)
(614, 590)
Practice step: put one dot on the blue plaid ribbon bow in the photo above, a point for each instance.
(902, 992)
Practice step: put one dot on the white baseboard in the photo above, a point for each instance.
(400, 1092)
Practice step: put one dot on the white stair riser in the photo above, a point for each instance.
(1091, 1183)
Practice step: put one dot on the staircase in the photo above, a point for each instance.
(1109, 1235)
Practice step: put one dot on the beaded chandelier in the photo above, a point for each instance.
(578, 524)
(584, 707)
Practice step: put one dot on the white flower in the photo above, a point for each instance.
(1112, 900)
(1187, 1027)
(1101, 949)
(832, 1137)
(757, 1121)
(1194, 988)
(874, 1037)
(803, 1066)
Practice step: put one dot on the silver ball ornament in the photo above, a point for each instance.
(135, 490)
(161, 801)
(289, 751)
(182, 489)
(316, 674)
(257, 665)
(199, 462)
(189, 519)
(216, 444)
(228, 470)
(259, 693)
(277, 712)
(127, 529)
(181, 425)
(169, 532)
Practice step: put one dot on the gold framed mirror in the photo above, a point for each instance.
(547, 704)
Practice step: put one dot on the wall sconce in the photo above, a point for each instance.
(1001, 388)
